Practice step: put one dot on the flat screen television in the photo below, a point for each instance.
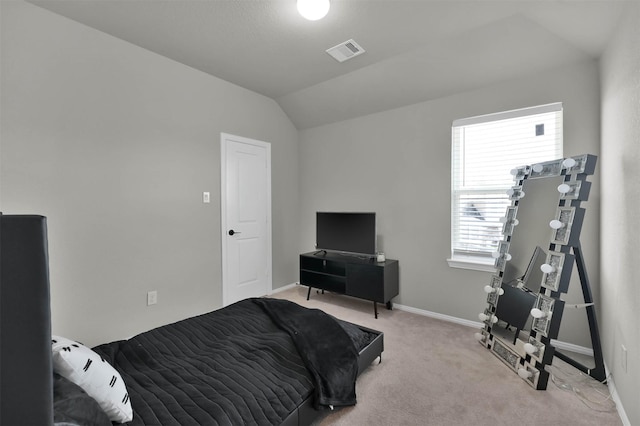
(346, 232)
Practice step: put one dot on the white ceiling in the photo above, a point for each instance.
(415, 50)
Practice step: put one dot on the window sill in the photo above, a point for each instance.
(473, 263)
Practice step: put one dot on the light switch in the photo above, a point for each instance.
(206, 197)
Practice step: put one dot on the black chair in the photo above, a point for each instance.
(514, 307)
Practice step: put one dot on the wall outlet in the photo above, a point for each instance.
(152, 298)
(623, 357)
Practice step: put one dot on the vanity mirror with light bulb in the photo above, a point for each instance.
(533, 266)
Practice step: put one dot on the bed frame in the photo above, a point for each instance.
(26, 372)
(26, 379)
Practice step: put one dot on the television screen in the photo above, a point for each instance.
(348, 232)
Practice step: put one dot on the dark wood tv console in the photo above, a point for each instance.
(346, 274)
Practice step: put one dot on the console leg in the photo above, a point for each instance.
(375, 309)
(308, 292)
(389, 305)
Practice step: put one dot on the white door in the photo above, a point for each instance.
(245, 218)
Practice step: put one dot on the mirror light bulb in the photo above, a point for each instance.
(489, 289)
(511, 192)
(564, 188)
(538, 168)
(547, 269)
(537, 313)
(479, 337)
(313, 9)
(556, 224)
(484, 317)
(569, 162)
(524, 373)
(530, 349)
(497, 254)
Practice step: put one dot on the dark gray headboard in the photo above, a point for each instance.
(26, 389)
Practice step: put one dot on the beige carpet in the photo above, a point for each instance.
(435, 373)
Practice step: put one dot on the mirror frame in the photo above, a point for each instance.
(528, 358)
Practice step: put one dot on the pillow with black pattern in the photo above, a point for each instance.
(94, 375)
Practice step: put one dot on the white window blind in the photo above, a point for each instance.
(484, 151)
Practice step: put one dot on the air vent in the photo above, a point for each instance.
(346, 50)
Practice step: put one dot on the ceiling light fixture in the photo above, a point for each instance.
(313, 9)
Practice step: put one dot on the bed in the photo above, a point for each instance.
(260, 361)
(256, 362)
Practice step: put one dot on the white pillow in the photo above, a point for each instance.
(94, 375)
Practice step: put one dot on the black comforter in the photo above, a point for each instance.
(237, 365)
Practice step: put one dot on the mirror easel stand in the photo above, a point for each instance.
(598, 371)
(530, 356)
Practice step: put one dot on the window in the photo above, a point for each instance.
(484, 151)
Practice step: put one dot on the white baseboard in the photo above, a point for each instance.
(448, 318)
(572, 348)
(616, 398)
(283, 288)
(475, 324)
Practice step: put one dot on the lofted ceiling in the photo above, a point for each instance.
(415, 50)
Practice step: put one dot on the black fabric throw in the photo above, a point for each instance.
(325, 347)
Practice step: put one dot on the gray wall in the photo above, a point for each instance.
(115, 144)
(620, 71)
(397, 163)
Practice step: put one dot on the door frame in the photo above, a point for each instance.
(224, 139)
